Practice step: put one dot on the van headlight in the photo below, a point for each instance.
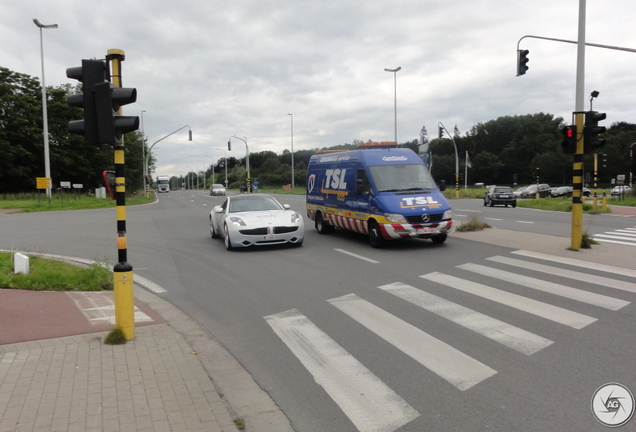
(448, 214)
(394, 218)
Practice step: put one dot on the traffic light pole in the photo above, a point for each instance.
(123, 271)
(579, 121)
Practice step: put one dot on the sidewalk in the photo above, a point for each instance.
(174, 376)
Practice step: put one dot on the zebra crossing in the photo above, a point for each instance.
(625, 236)
(369, 403)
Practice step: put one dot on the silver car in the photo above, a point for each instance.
(256, 220)
(217, 190)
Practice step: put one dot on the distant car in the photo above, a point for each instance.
(620, 189)
(531, 191)
(217, 190)
(566, 191)
(563, 191)
(256, 220)
(519, 191)
(501, 195)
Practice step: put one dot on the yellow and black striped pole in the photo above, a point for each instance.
(577, 183)
(123, 270)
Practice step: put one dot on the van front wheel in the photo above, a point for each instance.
(439, 239)
(323, 227)
(375, 235)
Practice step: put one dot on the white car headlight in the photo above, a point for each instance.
(237, 221)
(295, 217)
(394, 218)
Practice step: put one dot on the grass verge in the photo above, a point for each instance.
(52, 275)
(31, 203)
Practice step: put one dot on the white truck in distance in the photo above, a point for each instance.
(163, 184)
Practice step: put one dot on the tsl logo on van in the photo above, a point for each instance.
(420, 201)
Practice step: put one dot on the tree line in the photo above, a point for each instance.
(22, 141)
(506, 150)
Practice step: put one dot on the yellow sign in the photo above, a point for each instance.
(43, 182)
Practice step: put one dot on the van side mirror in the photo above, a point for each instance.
(442, 185)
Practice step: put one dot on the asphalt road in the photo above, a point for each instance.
(414, 337)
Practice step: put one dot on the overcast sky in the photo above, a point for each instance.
(240, 67)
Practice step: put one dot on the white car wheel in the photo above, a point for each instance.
(228, 242)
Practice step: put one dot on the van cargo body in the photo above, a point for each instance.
(383, 193)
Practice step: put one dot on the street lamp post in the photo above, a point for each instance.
(197, 174)
(171, 133)
(456, 159)
(247, 163)
(213, 178)
(143, 150)
(202, 172)
(225, 163)
(292, 150)
(395, 71)
(45, 120)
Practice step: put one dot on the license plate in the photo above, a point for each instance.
(425, 230)
(504, 196)
(272, 237)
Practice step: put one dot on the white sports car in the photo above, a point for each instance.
(255, 220)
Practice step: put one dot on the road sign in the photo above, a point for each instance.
(43, 182)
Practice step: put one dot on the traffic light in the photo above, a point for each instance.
(591, 140)
(110, 125)
(522, 62)
(569, 139)
(441, 132)
(537, 174)
(229, 145)
(603, 161)
(91, 73)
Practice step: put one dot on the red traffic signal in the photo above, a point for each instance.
(569, 139)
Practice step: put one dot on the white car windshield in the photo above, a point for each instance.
(255, 203)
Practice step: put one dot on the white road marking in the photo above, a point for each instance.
(543, 310)
(614, 241)
(449, 363)
(99, 307)
(148, 284)
(357, 256)
(578, 263)
(492, 328)
(582, 277)
(526, 222)
(548, 287)
(369, 403)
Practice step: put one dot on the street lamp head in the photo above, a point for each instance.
(594, 94)
(399, 68)
(39, 24)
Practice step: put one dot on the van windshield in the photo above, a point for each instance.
(395, 178)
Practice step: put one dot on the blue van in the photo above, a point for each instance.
(385, 193)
